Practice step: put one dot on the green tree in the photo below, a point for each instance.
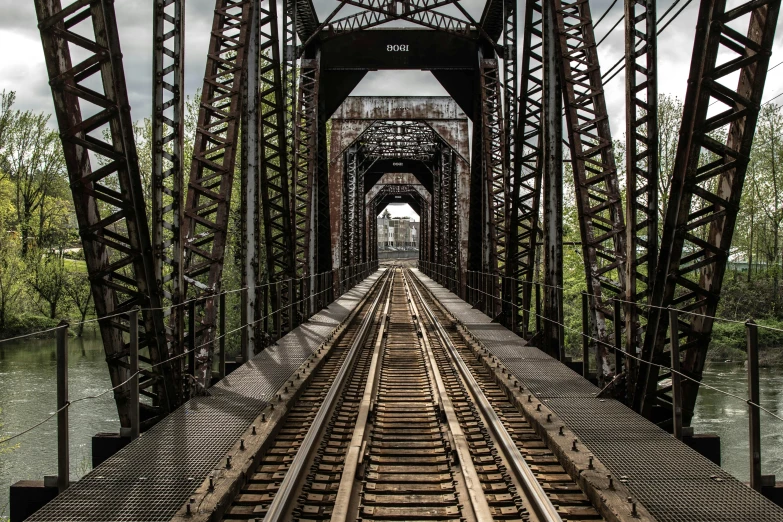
(77, 289)
(48, 278)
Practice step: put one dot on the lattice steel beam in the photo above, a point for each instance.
(305, 168)
(526, 179)
(709, 171)
(495, 179)
(212, 171)
(421, 12)
(641, 135)
(106, 187)
(273, 155)
(595, 176)
(168, 108)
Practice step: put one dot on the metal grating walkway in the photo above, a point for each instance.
(674, 482)
(151, 478)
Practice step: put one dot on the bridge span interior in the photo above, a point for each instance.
(483, 167)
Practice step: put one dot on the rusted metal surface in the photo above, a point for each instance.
(304, 171)
(526, 179)
(598, 195)
(551, 145)
(424, 13)
(707, 181)
(641, 154)
(212, 172)
(250, 244)
(168, 108)
(273, 161)
(495, 178)
(106, 188)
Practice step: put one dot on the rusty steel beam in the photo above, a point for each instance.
(551, 164)
(496, 185)
(641, 154)
(106, 186)
(212, 172)
(168, 109)
(419, 12)
(249, 192)
(526, 179)
(273, 158)
(598, 195)
(709, 171)
(305, 170)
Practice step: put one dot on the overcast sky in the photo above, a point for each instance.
(22, 67)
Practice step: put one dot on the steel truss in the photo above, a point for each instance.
(168, 109)
(526, 180)
(709, 171)
(595, 176)
(495, 179)
(212, 172)
(419, 12)
(103, 169)
(273, 158)
(641, 116)
(305, 169)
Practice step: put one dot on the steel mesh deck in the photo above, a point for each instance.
(674, 482)
(151, 478)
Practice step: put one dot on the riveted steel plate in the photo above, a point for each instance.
(674, 483)
(151, 478)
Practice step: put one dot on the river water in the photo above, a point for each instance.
(28, 395)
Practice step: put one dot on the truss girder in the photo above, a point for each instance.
(641, 128)
(598, 195)
(273, 157)
(168, 108)
(495, 181)
(526, 180)
(709, 171)
(100, 156)
(212, 172)
(419, 12)
(305, 168)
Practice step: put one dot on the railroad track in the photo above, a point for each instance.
(401, 423)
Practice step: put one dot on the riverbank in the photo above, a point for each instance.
(35, 327)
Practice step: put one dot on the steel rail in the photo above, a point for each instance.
(478, 500)
(278, 510)
(538, 499)
(353, 457)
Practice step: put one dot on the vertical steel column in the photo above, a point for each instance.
(212, 171)
(598, 195)
(289, 77)
(249, 172)
(641, 152)
(273, 158)
(305, 168)
(168, 109)
(526, 179)
(552, 160)
(496, 183)
(348, 232)
(709, 172)
(63, 446)
(106, 187)
(510, 90)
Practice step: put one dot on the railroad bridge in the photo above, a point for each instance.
(384, 392)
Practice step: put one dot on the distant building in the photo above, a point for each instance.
(398, 233)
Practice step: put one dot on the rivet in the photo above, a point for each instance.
(549, 417)
(211, 482)
(529, 398)
(242, 444)
(187, 510)
(538, 407)
(254, 426)
(228, 462)
(590, 463)
(573, 446)
(611, 481)
(561, 431)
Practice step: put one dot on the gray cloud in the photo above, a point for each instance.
(22, 68)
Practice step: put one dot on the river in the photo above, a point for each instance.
(28, 395)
